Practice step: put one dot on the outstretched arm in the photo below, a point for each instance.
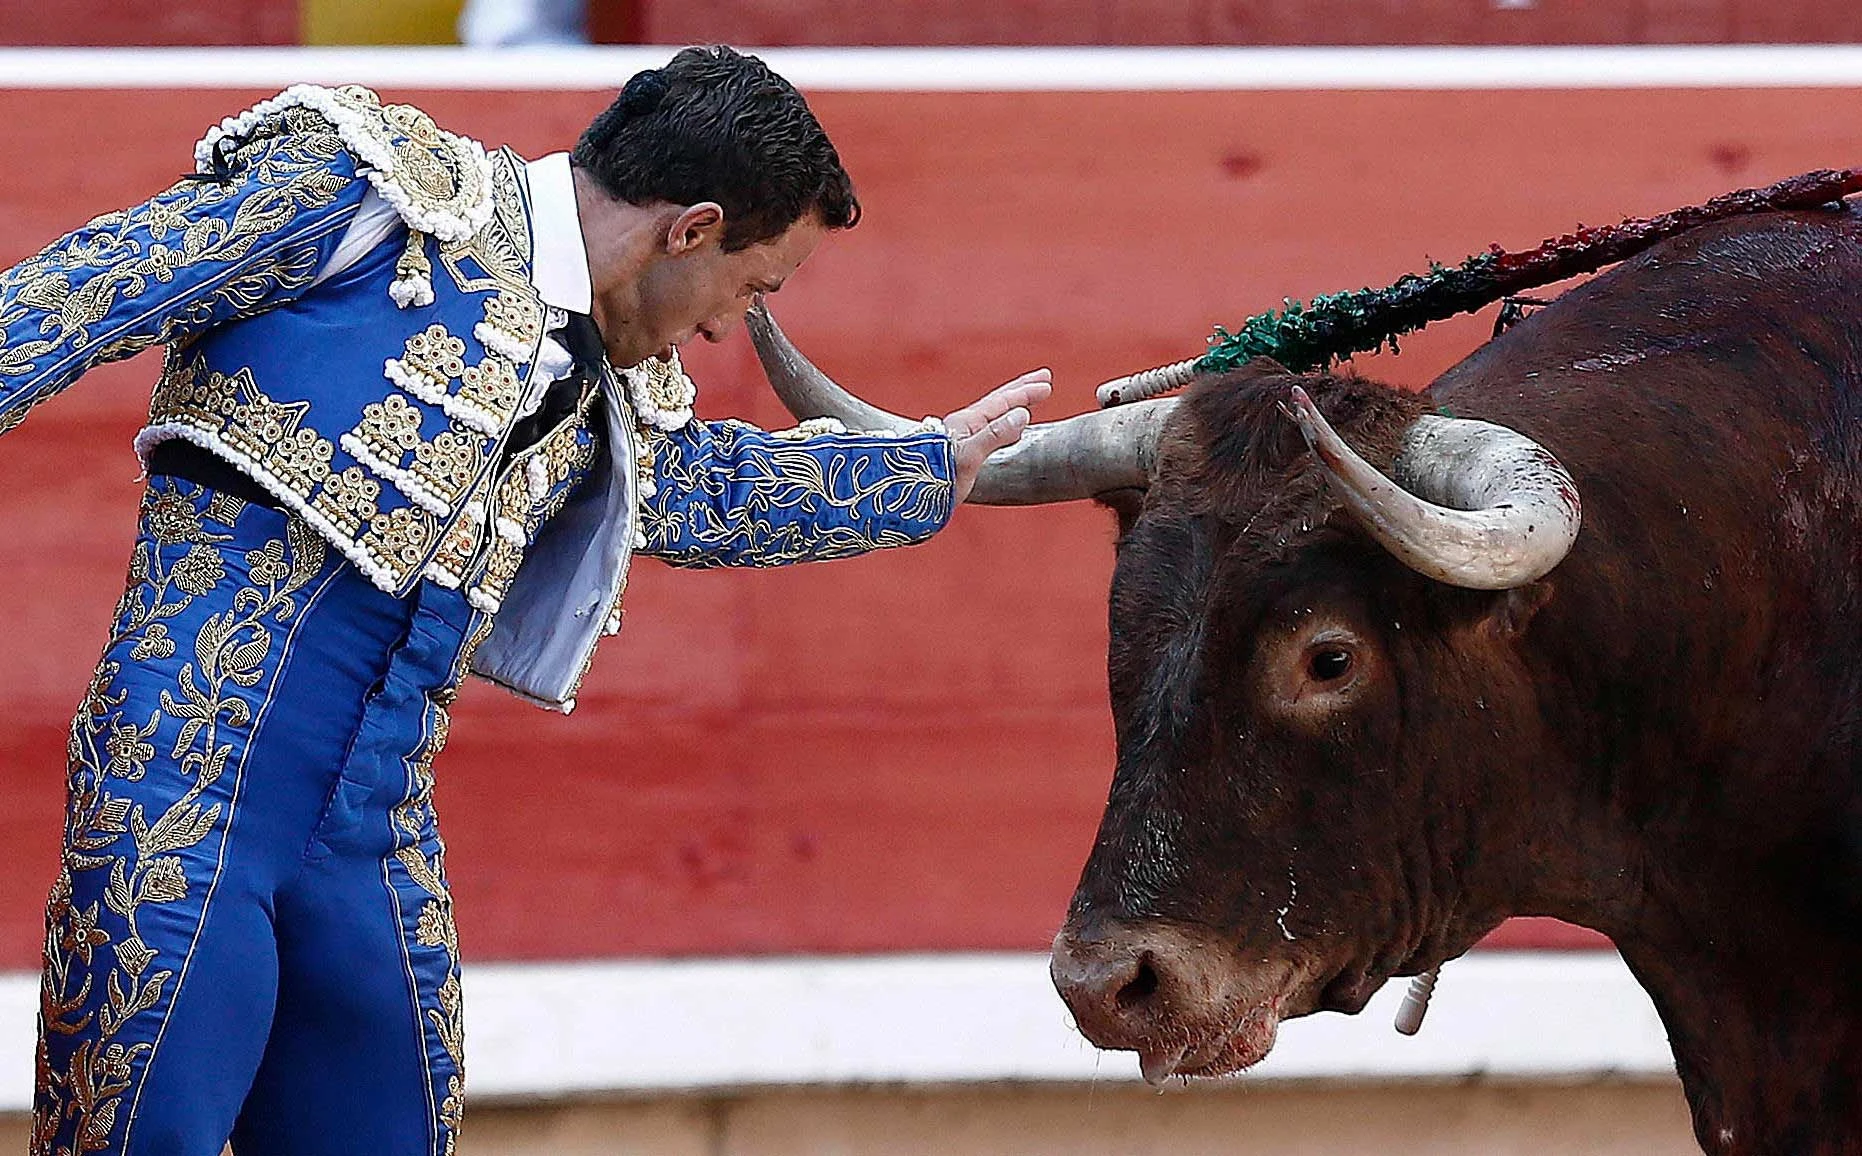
(209, 250)
(729, 494)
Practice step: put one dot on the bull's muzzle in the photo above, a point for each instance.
(1177, 998)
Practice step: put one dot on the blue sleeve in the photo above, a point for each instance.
(729, 494)
(205, 252)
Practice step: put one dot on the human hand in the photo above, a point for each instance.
(997, 420)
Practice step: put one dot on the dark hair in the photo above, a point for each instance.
(717, 125)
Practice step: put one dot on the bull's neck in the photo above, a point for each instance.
(1760, 1008)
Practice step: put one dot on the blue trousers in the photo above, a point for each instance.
(251, 935)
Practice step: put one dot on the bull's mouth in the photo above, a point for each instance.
(1189, 1002)
(1244, 1045)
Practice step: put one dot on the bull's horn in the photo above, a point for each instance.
(1473, 504)
(1079, 457)
(805, 390)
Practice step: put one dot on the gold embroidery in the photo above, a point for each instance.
(531, 490)
(433, 357)
(251, 424)
(188, 391)
(433, 474)
(76, 283)
(493, 386)
(661, 386)
(400, 536)
(490, 391)
(460, 543)
(499, 253)
(389, 428)
(504, 546)
(85, 990)
(348, 500)
(447, 463)
(431, 177)
(435, 166)
(798, 492)
(301, 461)
(517, 315)
(442, 469)
(434, 925)
(224, 507)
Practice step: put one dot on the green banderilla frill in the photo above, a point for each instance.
(1305, 336)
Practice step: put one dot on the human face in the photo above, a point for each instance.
(692, 287)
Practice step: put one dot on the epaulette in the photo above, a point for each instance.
(440, 183)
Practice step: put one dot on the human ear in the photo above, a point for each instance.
(695, 226)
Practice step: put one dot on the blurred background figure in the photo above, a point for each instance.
(522, 23)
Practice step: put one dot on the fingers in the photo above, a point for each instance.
(1022, 393)
(973, 447)
(999, 431)
(1002, 430)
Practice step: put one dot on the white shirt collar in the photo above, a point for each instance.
(559, 265)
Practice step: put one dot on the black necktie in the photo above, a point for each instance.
(583, 342)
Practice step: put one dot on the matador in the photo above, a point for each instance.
(420, 405)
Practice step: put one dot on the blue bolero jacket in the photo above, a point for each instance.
(377, 404)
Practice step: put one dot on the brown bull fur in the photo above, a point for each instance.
(1659, 740)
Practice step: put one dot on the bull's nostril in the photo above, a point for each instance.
(1141, 986)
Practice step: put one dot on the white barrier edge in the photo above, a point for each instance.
(651, 1027)
(961, 69)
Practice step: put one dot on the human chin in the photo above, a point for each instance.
(628, 351)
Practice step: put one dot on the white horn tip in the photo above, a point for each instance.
(1306, 415)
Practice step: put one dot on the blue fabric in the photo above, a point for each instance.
(729, 494)
(301, 399)
(251, 934)
(199, 255)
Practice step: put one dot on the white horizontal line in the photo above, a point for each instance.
(960, 69)
(645, 1027)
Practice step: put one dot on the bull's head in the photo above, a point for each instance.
(1309, 657)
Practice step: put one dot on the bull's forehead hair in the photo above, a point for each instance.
(1234, 455)
(1229, 525)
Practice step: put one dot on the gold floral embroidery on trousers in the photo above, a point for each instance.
(421, 856)
(101, 976)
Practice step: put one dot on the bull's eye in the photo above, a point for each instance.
(1329, 664)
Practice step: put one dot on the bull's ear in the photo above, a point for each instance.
(1513, 610)
(1127, 504)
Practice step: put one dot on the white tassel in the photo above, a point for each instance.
(414, 291)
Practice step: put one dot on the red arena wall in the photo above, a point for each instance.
(907, 751)
(963, 22)
(956, 22)
(148, 22)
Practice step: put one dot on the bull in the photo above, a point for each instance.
(1374, 692)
